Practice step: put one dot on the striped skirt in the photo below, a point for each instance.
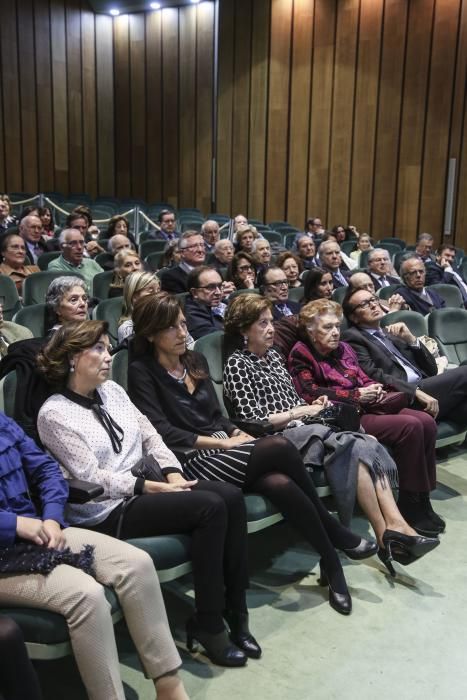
(220, 465)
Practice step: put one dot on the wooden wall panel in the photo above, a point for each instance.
(153, 106)
(278, 110)
(204, 105)
(138, 175)
(458, 144)
(59, 94)
(10, 95)
(225, 109)
(122, 105)
(46, 169)
(170, 105)
(28, 102)
(188, 111)
(74, 98)
(105, 106)
(88, 49)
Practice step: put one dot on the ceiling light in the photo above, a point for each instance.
(155, 6)
(114, 12)
(195, 2)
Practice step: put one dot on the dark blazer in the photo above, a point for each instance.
(435, 274)
(377, 283)
(336, 283)
(294, 306)
(416, 303)
(381, 365)
(200, 318)
(174, 280)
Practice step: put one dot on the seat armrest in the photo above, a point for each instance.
(83, 491)
(183, 454)
(257, 428)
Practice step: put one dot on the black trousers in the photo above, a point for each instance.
(214, 514)
(18, 680)
(450, 388)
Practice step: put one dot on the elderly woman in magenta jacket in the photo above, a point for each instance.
(321, 364)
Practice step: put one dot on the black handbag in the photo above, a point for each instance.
(340, 417)
(148, 468)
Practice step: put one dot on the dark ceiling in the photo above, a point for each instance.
(132, 5)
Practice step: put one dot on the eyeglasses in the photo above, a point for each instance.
(244, 268)
(279, 283)
(414, 273)
(75, 244)
(211, 287)
(192, 247)
(16, 247)
(367, 303)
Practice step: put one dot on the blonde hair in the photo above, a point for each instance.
(135, 282)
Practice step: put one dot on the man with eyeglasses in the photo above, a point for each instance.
(30, 230)
(445, 270)
(192, 254)
(331, 260)
(204, 308)
(72, 259)
(167, 222)
(418, 297)
(394, 357)
(379, 267)
(273, 284)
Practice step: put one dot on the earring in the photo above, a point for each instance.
(72, 368)
(245, 341)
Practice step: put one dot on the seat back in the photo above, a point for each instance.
(120, 368)
(148, 247)
(450, 294)
(153, 260)
(416, 323)
(339, 294)
(101, 284)
(386, 292)
(347, 247)
(272, 236)
(391, 248)
(10, 299)
(7, 394)
(44, 259)
(35, 286)
(296, 293)
(212, 347)
(449, 328)
(393, 240)
(110, 310)
(104, 259)
(32, 317)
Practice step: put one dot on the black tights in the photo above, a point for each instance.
(18, 680)
(276, 470)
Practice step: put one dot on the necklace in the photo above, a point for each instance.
(181, 379)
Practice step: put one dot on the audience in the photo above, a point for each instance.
(379, 268)
(72, 258)
(30, 230)
(10, 332)
(125, 262)
(416, 295)
(321, 364)
(6, 218)
(13, 252)
(246, 236)
(261, 254)
(445, 271)
(167, 227)
(210, 233)
(222, 255)
(192, 254)
(137, 285)
(363, 243)
(291, 266)
(331, 260)
(306, 250)
(67, 566)
(241, 271)
(424, 247)
(119, 242)
(274, 285)
(204, 309)
(108, 445)
(362, 280)
(318, 285)
(171, 386)
(119, 226)
(47, 218)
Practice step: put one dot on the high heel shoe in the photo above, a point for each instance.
(405, 549)
(218, 647)
(365, 549)
(341, 602)
(240, 633)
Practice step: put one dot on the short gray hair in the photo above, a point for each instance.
(185, 236)
(221, 242)
(63, 234)
(375, 251)
(58, 288)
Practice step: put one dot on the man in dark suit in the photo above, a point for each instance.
(30, 230)
(331, 260)
(394, 357)
(275, 286)
(192, 253)
(424, 247)
(204, 308)
(444, 270)
(379, 267)
(167, 231)
(418, 297)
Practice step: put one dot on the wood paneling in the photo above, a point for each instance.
(357, 104)
(344, 109)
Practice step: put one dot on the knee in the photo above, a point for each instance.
(140, 562)
(10, 633)
(213, 507)
(91, 596)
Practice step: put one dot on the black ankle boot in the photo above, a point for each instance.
(414, 512)
(428, 508)
(240, 633)
(218, 647)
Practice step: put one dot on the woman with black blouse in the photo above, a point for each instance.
(171, 386)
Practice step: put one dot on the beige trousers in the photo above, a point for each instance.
(81, 600)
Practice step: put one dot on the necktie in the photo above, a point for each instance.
(389, 345)
(284, 309)
(340, 278)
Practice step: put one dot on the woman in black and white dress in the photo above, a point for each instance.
(170, 385)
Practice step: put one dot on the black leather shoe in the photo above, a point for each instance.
(218, 647)
(341, 602)
(240, 633)
(366, 548)
(434, 517)
(406, 549)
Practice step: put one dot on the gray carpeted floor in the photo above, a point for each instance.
(406, 638)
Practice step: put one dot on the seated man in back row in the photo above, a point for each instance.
(192, 254)
(72, 245)
(273, 284)
(394, 357)
(418, 297)
(445, 271)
